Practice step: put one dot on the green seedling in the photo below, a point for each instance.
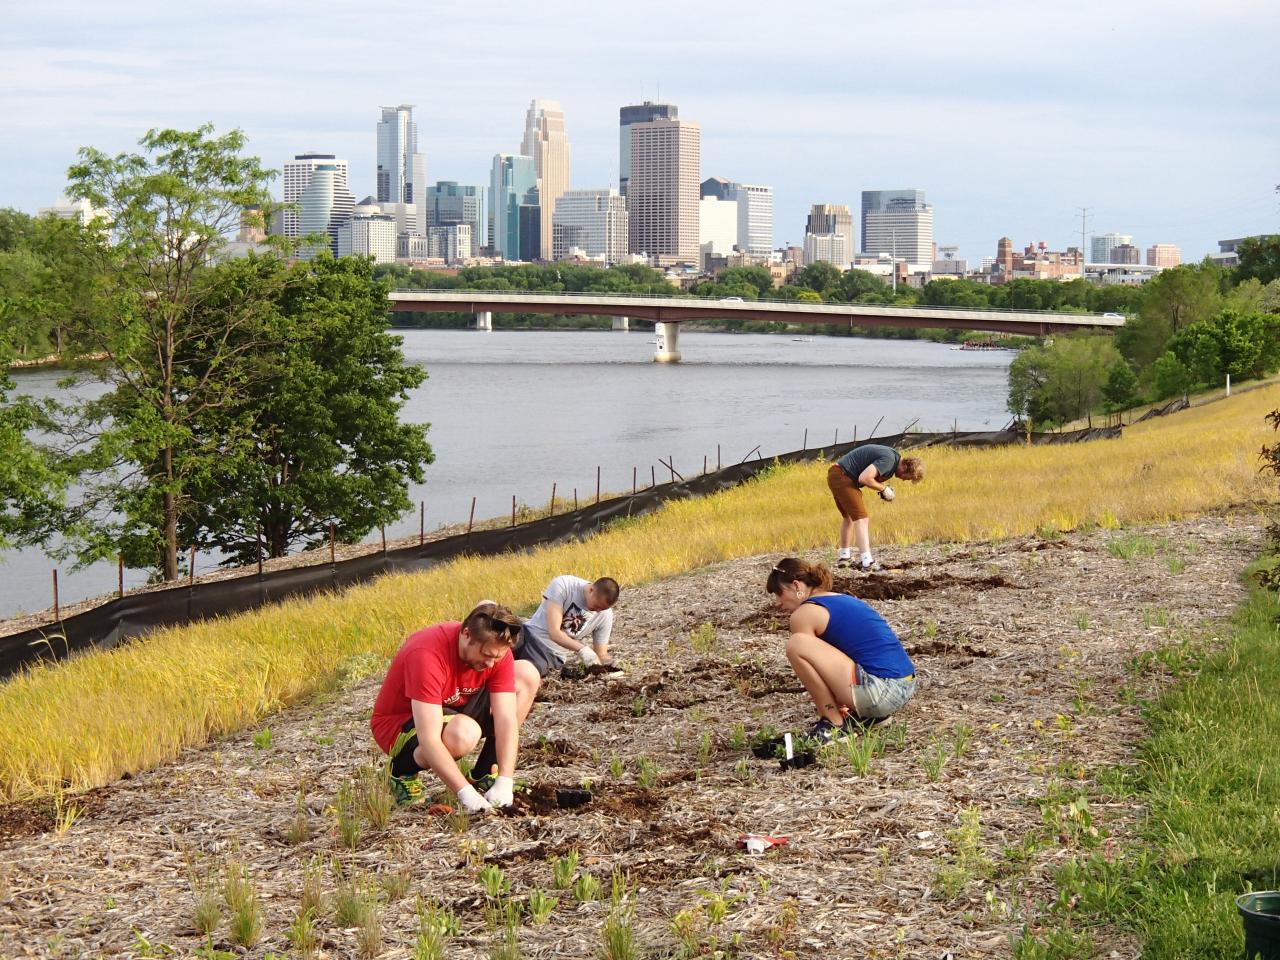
(311, 899)
(564, 869)
(646, 773)
(374, 797)
(302, 935)
(703, 639)
(369, 934)
(616, 767)
(300, 826)
(586, 888)
(640, 705)
(494, 881)
(346, 815)
(961, 736)
(705, 747)
(1082, 622)
(935, 758)
(618, 933)
(241, 897)
(738, 737)
(540, 905)
(352, 902)
(262, 739)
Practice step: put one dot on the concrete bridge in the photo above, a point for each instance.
(667, 313)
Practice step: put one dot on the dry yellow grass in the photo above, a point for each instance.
(84, 722)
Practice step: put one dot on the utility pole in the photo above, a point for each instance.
(1084, 228)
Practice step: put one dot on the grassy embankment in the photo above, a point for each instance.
(84, 722)
(1208, 777)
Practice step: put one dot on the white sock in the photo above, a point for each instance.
(846, 553)
(867, 560)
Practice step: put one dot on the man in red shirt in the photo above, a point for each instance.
(449, 685)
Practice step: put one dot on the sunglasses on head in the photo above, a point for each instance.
(499, 626)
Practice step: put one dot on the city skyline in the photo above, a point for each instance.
(1008, 125)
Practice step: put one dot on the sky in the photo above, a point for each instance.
(1162, 118)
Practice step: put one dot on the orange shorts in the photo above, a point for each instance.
(847, 494)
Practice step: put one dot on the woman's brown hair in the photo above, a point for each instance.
(792, 568)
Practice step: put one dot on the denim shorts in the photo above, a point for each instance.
(877, 696)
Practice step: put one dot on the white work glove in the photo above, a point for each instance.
(472, 802)
(588, 655)
(887, 493)
(499, 795)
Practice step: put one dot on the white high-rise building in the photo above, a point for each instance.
(595, 221)
(296, 178)
(80, 210)
(904, 230)
(545, 141)
(451, 243)
(449, 202)
(832, 218)
(663, 190)
(402, 170)
(368, 235)
(324, 205)
(1101, 245)
(827, 248)
(717, 226)
(755, 219)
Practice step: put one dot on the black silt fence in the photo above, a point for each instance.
(116, 621)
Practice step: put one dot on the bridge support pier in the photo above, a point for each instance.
(622, 323)
(668, 348)
(484, 320)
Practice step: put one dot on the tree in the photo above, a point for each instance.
(821, 277)
(1121, 386)
(1170, 376)
(757, 277)
(1172, 300)
(175, 347)
(32, 486)
(321, 415)
(1234, 343)
(1259, 259)
(1061, 382)
(859, 286)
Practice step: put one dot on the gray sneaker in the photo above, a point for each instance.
(872, 567)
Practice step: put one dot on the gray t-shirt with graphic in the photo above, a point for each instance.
(570, 593)
(885, 460)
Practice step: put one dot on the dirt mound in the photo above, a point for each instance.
(880, 586)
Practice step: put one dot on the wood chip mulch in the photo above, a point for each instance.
(1026, 651)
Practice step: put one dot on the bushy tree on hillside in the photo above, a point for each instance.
(1061, 382)
(171, 209)
(1235, 344)
(821, 277)
(320, 420)
(1259, 259)
(1172, 300)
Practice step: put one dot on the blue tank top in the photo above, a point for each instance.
(862, 635)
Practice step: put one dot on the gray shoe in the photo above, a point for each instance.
(872, 567)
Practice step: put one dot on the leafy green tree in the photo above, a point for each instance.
(756, 277)
(1061, 382)
(1121, 386)
(321, 418)
(1259, 259)
(32, 485)
(1173, 300)
(956, 293)
(1235, 344)
(820, 277)
(175, 347)
(1170, 376)
(859, 286)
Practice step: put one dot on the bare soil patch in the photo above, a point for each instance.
(1029, 652)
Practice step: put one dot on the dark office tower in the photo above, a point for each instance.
(640, 113)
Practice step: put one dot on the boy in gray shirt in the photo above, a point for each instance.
(575, 619)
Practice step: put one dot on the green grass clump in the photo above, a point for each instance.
(1209, 779)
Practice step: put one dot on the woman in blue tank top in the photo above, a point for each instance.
(850, 661)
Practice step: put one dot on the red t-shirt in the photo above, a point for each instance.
(427, 668)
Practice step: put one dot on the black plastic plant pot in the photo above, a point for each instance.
(1261, 914)
(766, 750)
(798, 761)
(570, 797)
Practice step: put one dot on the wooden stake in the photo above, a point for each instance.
(597, 484)
(553, 500)
(717, 456)
(57, 610)
(383, 530)
(471, 519)
(422, 522)
(872, 435)
(633, 481)
(258, 533)
(704, 464)
(805, 445)
(575, 499)
(191, 567)
(671, 460)
(513, 509)
(653, 476)
(332, 546)
(120, 575)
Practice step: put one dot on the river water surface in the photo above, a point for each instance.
(511, 413)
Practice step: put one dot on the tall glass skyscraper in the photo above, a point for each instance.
(513, 184)
(324, 206)
(545, 141)
(450, 203)
(402, 170)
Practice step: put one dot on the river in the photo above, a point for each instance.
(511, 413)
